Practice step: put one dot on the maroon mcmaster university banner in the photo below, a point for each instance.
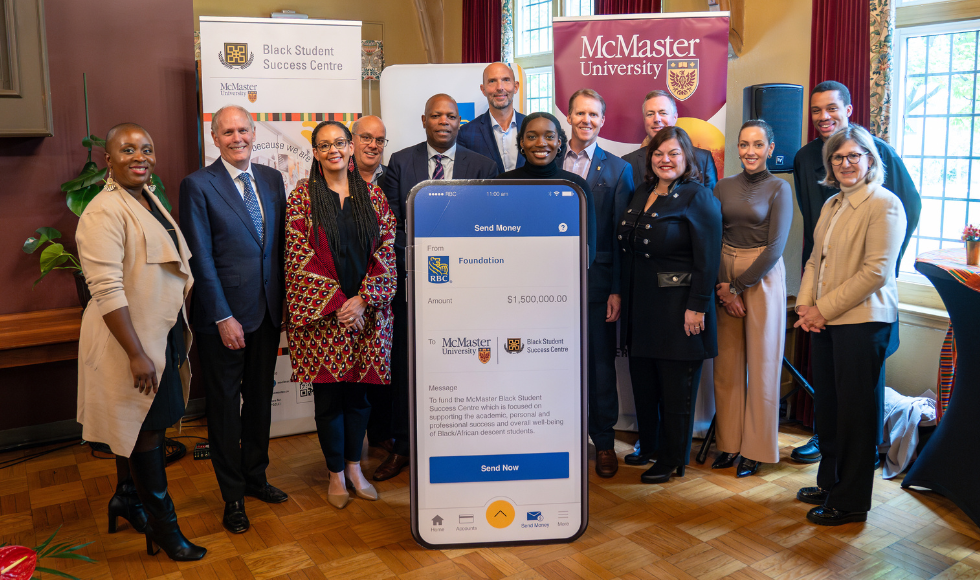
(625, 57)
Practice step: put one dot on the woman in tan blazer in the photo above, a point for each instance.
(133, 374)
(848, 301)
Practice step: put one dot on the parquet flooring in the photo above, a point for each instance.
(707, 525)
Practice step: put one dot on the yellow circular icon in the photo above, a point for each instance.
(500, 514)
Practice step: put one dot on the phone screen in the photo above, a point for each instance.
(496, 273)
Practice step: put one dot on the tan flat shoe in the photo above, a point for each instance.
(338, 500)
(369, 493)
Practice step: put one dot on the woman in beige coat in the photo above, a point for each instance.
(133, 374)
(848, 301)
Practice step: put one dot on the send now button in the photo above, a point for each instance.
(516, 467)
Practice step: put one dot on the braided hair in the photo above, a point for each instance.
(324, 205)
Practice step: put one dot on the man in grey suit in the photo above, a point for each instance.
(659, 111)
(232, 214)
(494, 133)
(438, 157)
(611, 181)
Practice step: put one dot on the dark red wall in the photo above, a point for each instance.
(139, 57)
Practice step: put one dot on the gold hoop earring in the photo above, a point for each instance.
(110, 183)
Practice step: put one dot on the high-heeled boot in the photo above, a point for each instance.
(150, 475)
(125, 503)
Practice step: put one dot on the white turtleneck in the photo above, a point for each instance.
(848, 192)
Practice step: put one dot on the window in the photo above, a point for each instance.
(533, 49)
(937, 130)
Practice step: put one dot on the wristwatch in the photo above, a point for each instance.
(732, 290)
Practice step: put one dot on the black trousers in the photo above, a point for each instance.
(341, 414)
(399, 373)
(603, 396)
(673, 384)
(847, 361)
(239, 440)
(379, 423)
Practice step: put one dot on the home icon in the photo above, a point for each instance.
(437, 521)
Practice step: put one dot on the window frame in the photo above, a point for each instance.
(913, 288)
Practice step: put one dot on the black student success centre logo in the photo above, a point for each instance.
(514, 345)
(236, 55)
(438, 269)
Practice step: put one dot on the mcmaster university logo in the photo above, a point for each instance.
(682, 77)
(438, 269)
(236, 55)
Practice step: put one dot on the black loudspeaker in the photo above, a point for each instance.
(782, 107)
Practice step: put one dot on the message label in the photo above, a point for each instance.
(496, 276)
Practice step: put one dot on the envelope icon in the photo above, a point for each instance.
(534, 517)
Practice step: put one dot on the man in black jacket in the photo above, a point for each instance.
(830, 111)
(659, 111)
(438, 157)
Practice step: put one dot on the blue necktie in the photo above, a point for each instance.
(439, 172)
(252, 205)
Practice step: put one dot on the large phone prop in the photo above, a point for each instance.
(497, 305)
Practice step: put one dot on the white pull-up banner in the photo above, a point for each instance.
(290, 75)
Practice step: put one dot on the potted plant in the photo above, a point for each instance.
(78, 193)
(971, 235)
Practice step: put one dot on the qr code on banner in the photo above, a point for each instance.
(305, 390)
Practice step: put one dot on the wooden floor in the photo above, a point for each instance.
(706, 525)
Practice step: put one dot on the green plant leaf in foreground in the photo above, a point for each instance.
(44, 235)
(90, 175)
(53, 256)
(78, 199)
(160, 191)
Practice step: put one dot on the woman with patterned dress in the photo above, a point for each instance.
(340, 279)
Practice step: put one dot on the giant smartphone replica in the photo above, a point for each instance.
(497, 296)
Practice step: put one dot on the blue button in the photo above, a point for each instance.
(515, 467)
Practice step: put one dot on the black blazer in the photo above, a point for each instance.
(678, 237)
(611, 181)
(409, 167)
(702, 158)
(234, 273)
(477, 135)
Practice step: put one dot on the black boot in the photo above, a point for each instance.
(125, 503)
(150, 475)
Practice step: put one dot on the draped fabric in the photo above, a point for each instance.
(481, 30)
(506, 31)
(626, 6)
(840, 45)
(882, 20)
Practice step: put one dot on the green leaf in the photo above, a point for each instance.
(52, 256)
(72, 556)
(79, 199)
(43, 274)
(90, 175)
(160, 191)
(30, 244)
(48, 541)
(48, 234)
(97, 141)
(87, 143)
(55, 572)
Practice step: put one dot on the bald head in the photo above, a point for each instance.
(121, 129)
(369, 144)
(441, 122)
(499, 87)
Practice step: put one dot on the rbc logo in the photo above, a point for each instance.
(438, 269)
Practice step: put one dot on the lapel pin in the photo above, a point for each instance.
(675, 195)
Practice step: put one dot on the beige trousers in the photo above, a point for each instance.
(749, 363)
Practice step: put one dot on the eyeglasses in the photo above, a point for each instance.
(674, 155)
(852, 158)
(379, 141)
(324, 146)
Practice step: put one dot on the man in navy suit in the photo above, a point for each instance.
(487, 134)
(611, 181)
(659, 111)
(438, 157)
(232, 214)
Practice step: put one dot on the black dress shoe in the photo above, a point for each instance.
(747, 467)
(724, 461)
(638, 458)
(606, 464)
(269, 494)
(390, 467)
(661, 473)
(808, 453)
(813, 495)
(235, 520)
(828, 516)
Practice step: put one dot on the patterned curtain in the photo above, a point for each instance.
(882, 32)
(507, 30)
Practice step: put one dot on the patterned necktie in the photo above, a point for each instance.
(252, 205)
(439, 172)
